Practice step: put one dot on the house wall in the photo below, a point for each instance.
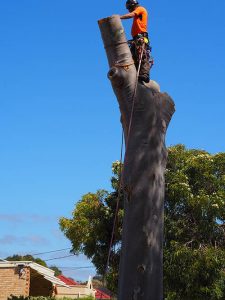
(74, 292)
(14, 283)
(39, 286)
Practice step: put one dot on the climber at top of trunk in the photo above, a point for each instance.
(140, 16)
(140, 40)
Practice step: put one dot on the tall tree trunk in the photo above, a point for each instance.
(141, 264)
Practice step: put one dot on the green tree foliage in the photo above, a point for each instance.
(194, 252)
(27, 257)
(37, 260)
(90, 228)
(56, 269)
(194, 249)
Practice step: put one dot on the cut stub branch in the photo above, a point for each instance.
(141, 264)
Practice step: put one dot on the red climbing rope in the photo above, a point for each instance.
(117, 205)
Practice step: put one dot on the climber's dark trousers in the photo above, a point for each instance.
(145, 64)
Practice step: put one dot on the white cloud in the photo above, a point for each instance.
(23, 240)
(22, 218)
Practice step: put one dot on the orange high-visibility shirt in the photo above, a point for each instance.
(140, 22)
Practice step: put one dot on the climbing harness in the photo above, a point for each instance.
(136, 44)
(121, 157)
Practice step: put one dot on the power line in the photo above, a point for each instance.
(59, 257)
(76, 268)
(51, 251)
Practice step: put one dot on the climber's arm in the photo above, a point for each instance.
(128, 16)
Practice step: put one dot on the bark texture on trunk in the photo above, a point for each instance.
(141, 265)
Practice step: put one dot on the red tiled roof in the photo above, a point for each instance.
(67, 280)
(100, 295)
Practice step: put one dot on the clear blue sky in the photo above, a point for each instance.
(59, 119)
